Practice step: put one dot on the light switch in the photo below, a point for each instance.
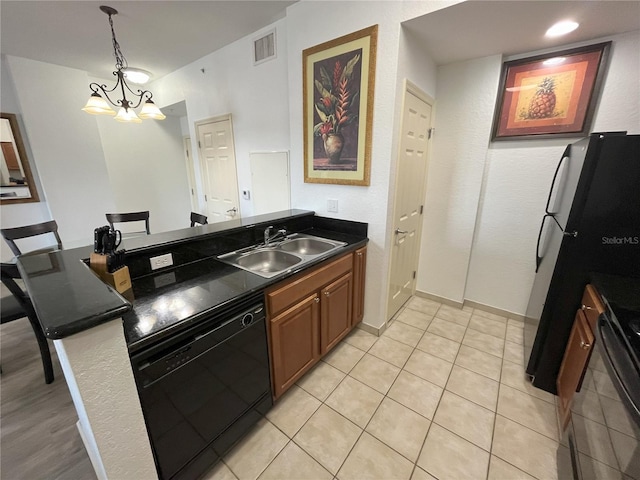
(332, 205)
(246, 194)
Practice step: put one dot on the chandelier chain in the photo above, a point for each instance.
(121, 61)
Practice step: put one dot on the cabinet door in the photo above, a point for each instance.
(294, 342)
(574, 364)
(359, 273)
(592, 305)
(335, 311)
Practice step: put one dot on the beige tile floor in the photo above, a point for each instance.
(441, 394)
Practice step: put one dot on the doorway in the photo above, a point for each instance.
(411, 176)
(218, 165)
(191, 173)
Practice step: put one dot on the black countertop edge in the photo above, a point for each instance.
(353, 243)
(67, 295)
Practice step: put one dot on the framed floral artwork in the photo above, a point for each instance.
(338, 86)
(550, 95)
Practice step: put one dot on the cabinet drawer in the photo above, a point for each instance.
(592, 306)
(281, 296)
(574, 365)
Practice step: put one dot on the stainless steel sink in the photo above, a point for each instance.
(268, 261)
(273, 259)
(307, 246)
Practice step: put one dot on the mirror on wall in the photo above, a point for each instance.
(16, 180)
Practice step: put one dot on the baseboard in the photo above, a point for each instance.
(436, 298)
(471, 304)
(503, 313)
(371, 329)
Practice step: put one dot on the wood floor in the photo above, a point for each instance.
(38, 434)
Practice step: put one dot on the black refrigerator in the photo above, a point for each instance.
(591, 224)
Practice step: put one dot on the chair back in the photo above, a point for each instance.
(12, 234)
(20, 306)
(8, 274)
(198, 218)
(129, 217)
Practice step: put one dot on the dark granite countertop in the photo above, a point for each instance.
(173, 299)
(69, 297)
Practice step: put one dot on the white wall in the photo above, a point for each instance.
(256, 96)
(147, 171)
(308, 25)
(498, 270)
(466, 94)
(66, 147)
(416, 65)
(13, 215)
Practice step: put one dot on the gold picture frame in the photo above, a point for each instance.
(337, 96)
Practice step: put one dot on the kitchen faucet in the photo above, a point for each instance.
(268, 237)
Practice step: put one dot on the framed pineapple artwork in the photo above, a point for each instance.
(338, 87)
(550, 95)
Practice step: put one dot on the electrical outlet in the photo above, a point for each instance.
(332, 205)
(161, 261)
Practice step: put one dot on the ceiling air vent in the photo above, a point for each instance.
(264, 48)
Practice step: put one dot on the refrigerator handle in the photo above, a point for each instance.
(565, 155)
(538, 257)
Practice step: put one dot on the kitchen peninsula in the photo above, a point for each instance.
(95, 330)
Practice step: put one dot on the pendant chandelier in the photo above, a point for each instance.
(97, 105)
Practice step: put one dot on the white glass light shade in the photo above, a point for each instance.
(127, 116)
(136, 75)
(96, 105)
(151, 110)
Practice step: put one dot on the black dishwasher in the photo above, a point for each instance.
(202, 389)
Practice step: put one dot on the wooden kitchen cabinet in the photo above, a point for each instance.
(309, 314)
(335, 305)
(577, 354)
(294, 342)
(359, 274)
(592, 306)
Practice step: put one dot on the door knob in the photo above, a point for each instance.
(232, 210)
(398, 231)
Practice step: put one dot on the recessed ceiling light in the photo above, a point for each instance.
(136, 75)
(562, 28)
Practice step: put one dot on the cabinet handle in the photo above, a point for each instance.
(317, 300)
(586, 307)
(359, 254)
(584, 345)
(326, 293)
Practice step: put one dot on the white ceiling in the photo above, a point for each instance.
(158, 36)
(162, 36)
(480, 28)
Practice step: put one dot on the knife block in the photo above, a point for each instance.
(120, 279)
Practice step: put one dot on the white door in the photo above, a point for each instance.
(218, 164)
(191, 175)
(409, 196)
